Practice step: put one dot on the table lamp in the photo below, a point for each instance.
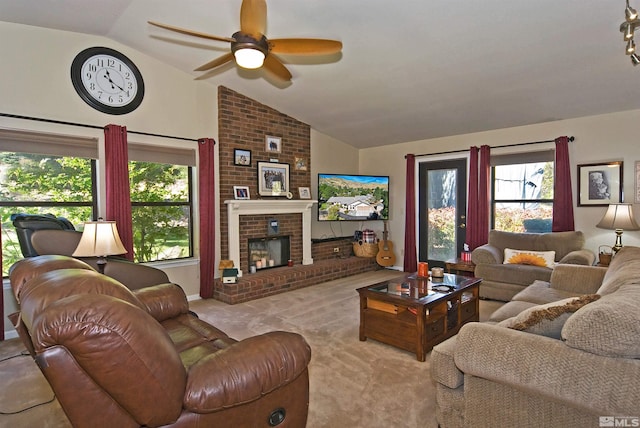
(618, 217)
(99, 239)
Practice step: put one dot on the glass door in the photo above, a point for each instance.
(442, 210)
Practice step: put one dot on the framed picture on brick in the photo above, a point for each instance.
(241, 192)
(273, 179)
(242, 157)
(273, 144)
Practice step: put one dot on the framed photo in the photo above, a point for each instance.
(242, 157)
(241, 192)
(304, 192)
(273, 179)
(273, 144)
(301, 164)
(599, 184)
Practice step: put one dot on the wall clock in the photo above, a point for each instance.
(107, 80)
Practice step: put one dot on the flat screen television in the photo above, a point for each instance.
(344, 197)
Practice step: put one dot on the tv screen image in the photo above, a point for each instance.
(344, 197)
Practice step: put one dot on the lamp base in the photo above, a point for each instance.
(618, 244)
(101, 262)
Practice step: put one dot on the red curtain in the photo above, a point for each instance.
(562, 195)
(118, 207)
(206, 183)
(410, 257)
(478, 206)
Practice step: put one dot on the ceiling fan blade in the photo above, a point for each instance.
(216, 62)
(305, 46)
(191, 32)
(277, 68)
(253, 17)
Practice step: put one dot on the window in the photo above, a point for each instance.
(56, 174)
(161, 202)
(44, 174)
(522, 192)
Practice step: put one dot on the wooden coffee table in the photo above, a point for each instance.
(414, 313)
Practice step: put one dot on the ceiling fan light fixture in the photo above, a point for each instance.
(249, 52)
(249, 58)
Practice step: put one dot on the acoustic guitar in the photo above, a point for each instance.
(385, 256)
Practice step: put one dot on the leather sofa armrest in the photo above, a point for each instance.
(246, 371)
(579, 257)
(522, 360)
(163, 301)
(576, 278)
(133, 275)
(487, 254)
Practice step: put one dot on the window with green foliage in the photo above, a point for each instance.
(522, 192)
(39, 184)
(161, 211)
(64, 184)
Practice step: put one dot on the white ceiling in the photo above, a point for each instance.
(409, 70)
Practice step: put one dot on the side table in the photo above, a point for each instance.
(460, 267)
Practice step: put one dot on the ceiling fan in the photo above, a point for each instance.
(251, 49)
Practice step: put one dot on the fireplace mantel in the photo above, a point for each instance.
(239, 207)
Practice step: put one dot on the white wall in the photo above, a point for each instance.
(36, 83)
(603, 138)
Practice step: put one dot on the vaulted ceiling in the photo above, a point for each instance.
(409, 69)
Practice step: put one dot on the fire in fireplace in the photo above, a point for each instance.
(272, 251)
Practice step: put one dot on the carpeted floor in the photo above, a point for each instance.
(353, 383)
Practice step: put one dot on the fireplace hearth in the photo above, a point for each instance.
(269, 252)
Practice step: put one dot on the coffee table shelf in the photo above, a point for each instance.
(410, 314)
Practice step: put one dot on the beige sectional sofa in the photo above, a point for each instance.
(562, 353)
(503, 281)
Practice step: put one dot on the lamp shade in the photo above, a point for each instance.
(99, 239)
(619, 216)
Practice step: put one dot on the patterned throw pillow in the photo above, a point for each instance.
(549, 319)
(527, 257)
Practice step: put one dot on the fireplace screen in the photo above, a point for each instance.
(269, 252)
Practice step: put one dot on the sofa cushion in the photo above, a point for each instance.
(510, 310)
(548, 320)
(522, 275)
(529, 257)
(560, 242)
(624, 269)
(541, 292)
(609, 327)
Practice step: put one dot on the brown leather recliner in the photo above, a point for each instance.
(116, 357)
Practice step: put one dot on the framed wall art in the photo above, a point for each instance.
(242, 157)
(304, 192)
(301, 164)
(273, 144)
(273, 179)
(241, 192)
(599, 184)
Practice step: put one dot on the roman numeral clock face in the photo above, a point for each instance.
(107, 80)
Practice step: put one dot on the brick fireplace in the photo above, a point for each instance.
(244, 124)
(238, 236)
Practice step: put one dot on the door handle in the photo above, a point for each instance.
(462, 226)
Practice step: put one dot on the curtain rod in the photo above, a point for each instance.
(60, 122)
(572, 138)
